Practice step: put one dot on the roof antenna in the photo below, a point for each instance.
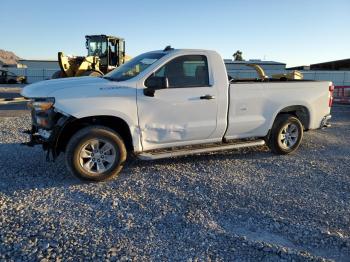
(168, 48)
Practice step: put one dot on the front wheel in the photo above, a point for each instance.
(286, 134)
(95, 153)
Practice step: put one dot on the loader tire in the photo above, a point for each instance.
(12, 81)
(91, 73)
(58, 74)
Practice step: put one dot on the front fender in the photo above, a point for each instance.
(104, 112)
(93, 112)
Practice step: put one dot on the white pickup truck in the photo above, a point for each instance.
(169, 103)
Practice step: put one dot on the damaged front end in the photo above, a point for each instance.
(47, 124)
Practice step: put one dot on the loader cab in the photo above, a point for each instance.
(110, 50)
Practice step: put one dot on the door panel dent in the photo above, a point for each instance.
(158, 133)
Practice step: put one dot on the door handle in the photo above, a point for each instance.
(207, 97)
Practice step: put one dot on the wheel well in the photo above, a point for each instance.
(115, 123)
(301, 112)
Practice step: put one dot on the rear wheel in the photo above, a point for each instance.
(95, 153)
(286, 134)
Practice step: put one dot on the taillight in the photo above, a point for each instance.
(331, 90)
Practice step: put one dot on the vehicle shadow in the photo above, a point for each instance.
(25, 168)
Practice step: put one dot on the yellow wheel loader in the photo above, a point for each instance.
(105, 53)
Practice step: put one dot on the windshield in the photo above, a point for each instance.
(97, 47)
(134, 67)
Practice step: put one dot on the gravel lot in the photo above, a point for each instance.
(247, 205)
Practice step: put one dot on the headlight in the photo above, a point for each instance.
(43, 113)
(41, 104)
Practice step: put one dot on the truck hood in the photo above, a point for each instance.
(45, 88)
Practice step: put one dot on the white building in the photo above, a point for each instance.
(241, 65)
(36, 70)
(239, 69)
(40, 64)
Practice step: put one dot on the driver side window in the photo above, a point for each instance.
(186, 71)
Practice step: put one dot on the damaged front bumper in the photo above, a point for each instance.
(47, 137)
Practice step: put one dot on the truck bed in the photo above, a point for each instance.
(254, 104)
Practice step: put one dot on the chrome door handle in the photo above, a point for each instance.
(207, 97)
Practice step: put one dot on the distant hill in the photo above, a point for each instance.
(8, 57)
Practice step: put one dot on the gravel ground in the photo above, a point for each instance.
(247, 205)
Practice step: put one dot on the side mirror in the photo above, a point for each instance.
(154, 83)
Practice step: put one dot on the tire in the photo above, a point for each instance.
(85, 157)
(278, 142)
(58, 74)
(12, 81)
(91, 73)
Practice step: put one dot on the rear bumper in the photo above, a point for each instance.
(324, 122)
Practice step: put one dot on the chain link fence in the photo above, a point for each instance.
(32, 74)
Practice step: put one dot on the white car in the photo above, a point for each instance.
(170, 103)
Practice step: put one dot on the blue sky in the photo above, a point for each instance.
(296, 32)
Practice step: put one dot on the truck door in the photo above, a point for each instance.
(186, 111)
